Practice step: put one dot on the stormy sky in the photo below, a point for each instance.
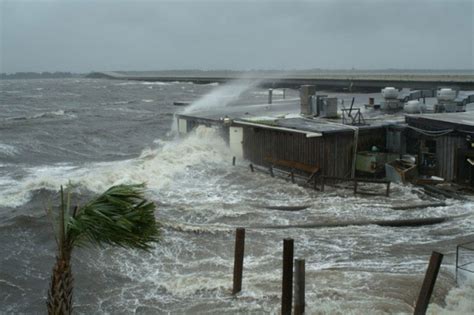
(81, 36)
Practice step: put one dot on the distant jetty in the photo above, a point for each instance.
(349, 80)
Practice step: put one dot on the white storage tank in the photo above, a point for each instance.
(446, 94)
(389, 93)
(414, 107)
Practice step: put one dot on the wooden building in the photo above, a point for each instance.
(317, 143)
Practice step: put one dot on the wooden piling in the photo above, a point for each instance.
(284, 93)
(299, 287)
(271, 171)
(233, 161)
(287, 278)
(355, 186)
(270, 92)
(238, 259)
(388, 190)
(322, 182)
(428, 283)
(292, 174)
(251, 168)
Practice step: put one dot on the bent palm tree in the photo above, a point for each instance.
(121, 216)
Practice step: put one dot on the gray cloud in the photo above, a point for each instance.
(82, 36)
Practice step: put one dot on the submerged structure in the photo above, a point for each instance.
(317, 135)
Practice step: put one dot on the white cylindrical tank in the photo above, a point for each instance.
(414, 107)
(390, 93)
(446, 94)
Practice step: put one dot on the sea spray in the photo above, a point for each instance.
(219, 97)
(222, 96)
(459, 300)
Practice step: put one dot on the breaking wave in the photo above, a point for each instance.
(51, 114)
(156, 167)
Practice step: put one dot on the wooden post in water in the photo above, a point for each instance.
(428, 283)
(292, 176)
(284, 93)
(238, 259)
(388, 190)
(270, 93)
(299, 287)
(233, 161)
(355, 186)
(271, 171)
(287, 278)
(251, 168)
(322, 182)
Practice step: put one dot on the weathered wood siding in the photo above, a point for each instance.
(446, 149)
(331, 153)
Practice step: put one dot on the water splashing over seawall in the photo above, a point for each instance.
(222, 96)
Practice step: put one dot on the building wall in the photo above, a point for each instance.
(331, 153)
(446, 149)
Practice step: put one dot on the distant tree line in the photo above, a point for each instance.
(38, 75)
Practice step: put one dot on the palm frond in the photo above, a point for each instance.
(120, 216)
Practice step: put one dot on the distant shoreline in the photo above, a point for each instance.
(39, 75)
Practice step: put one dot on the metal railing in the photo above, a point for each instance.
(461, 264)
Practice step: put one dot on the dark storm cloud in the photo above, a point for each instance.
(143, 35)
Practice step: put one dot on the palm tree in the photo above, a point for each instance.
(121, 216)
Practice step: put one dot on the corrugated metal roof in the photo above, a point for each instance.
(461, 118)
(312, 125)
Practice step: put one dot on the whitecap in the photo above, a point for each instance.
(8, 150)
(156, 83)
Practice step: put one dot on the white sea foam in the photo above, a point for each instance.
(55, 113)
(119, 102)
(158, 83)
(459, 301)
(8, 150)
(155, 167)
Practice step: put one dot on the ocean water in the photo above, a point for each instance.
(89, 134)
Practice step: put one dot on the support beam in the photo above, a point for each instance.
(428, 283)
(287, 278)
(299, 287)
